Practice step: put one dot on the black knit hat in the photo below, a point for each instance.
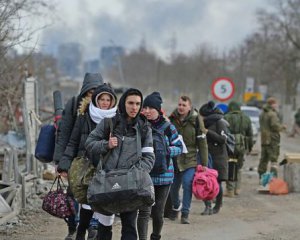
(207, 108)
(154, 101)
(101, 90)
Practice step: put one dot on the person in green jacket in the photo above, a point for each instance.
(240, 126)
(296, 126)
(190, 126)
(270, 137)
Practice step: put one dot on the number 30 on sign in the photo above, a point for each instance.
(222, 89)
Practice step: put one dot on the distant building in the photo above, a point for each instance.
(110, 56)
(92, 66)
(70, 59)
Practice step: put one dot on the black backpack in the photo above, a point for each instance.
(162, 159)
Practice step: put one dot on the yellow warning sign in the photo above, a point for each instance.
(252, 95)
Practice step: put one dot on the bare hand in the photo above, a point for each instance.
(112, 142)
(63, 174)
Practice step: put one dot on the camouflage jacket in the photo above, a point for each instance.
(241, 124)
(270, 126)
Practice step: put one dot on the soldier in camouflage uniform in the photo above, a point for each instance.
(241, 128)
(270, 137)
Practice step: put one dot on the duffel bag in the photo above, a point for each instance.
(120, 190)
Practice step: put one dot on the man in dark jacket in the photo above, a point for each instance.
(270, 137)
(240, 126)
(66, 124)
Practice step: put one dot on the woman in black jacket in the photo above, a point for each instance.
(103, 105)
(216, 138)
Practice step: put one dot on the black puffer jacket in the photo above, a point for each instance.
(66, 124)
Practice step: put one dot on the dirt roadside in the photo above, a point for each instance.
(249, 216)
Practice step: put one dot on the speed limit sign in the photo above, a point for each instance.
(222, 89)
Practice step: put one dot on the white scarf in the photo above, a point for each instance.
(98, 114)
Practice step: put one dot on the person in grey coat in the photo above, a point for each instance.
(65, 127)
(216, 138)
(121, 144)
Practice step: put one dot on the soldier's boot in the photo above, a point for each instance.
(238, 183)
(230, 185)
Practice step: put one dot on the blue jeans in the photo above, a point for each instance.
(185, 179)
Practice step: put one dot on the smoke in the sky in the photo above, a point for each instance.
(220, 23)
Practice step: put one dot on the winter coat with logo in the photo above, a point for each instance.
(270, 126)
(125, 154)
(187, 128)
(215, 124)
(69, 115)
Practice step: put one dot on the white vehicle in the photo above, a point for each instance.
(253, 113)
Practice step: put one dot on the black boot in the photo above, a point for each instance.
(219, 201)
(173, 215)
(155, 237)
(71, 233)
(104, 232)
(80, 236)
(207, 210)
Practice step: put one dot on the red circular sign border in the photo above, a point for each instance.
(215, 82)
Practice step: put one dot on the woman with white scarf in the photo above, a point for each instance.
(102, 105)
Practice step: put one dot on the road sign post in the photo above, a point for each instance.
(222, 89)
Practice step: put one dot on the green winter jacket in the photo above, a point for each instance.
(270, 126)
(192, 140)
(240, 125)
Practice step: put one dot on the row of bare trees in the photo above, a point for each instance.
(270, 56)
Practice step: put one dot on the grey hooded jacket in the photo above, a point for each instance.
(125, 154)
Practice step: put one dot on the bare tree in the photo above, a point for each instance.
(13, 33)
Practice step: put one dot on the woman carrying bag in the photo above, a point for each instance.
(103, 105)
(162, 175)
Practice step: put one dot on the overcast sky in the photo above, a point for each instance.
(221, 23)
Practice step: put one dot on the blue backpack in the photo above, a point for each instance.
(162, 159)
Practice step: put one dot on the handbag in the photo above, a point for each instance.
(57, 202)
(121, 190)
(80, 174)
(45, 144)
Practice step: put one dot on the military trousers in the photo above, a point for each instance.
(269, 153)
